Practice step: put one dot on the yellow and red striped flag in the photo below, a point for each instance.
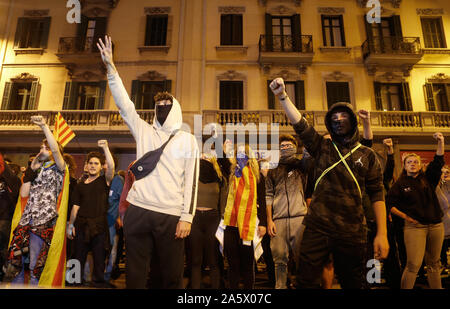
(241, 209)
(62, 132)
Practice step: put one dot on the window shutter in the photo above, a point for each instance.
(430, 97)
(269, 39)
(296, 33)
(341, 22)
(6, 95)
(300, 94)
(45, 32)
(70, 95)
(81, 33)
(369, 32)
(324, 35)
(378, 99)
(136, 93)
(100, 31)
(397, 26)
(168, 85)
(32, 104)
(270, 96)
(236, 29)
(225, 29)
(20, 32)
(101, 98)
(406, 96)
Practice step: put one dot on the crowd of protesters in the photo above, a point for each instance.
(327, 209)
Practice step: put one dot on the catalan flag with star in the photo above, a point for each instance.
(62, 132)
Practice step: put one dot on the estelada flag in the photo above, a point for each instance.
(62, 132)
(241, 208)
(54, 272)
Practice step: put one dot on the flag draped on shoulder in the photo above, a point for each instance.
(54, 272)
(241, 206)
(62, 132)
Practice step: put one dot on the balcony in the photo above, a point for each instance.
(400, 52)
(81, 49)
(286, 49)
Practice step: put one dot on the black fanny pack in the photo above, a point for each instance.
(145, 165)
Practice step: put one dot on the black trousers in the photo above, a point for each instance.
(203, 247)
(349, 261)
(240, 259)
(97, 246)
(148, 233)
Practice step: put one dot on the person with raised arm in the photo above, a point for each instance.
(164, 196)
(344, 170)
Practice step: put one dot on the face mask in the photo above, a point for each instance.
(287, 153)
(162, 111)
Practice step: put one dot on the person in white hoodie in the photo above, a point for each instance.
(163, 203)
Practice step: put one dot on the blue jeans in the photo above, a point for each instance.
(36, 243)
(112, 256)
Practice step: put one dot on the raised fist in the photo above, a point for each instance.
(38, 120)
(438, 136)
(363, 114)
(103, 143)
(277, 86)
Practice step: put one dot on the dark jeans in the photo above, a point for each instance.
(5, 230)
(445, 246)
(240, 259)
(149, 233)
(203, 245)
(97, 246)
(349, 261)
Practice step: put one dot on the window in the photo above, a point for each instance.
(231, 95)
(231, 29)
(20, 95)
(384, 37)
(438, 96)
(32, 32)
(333, 30)
(295, 91)
(337, 92)
(156, 30)
(89, 31)
(283, 33)
(433, 33)
(392, 96)
(84, 95)
(143, 92)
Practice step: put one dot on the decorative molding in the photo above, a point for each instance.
(439, 78)
(406, 69)
(154, 49)
(335, 49)
(430, 11)
(442, 51)
(232, 9)
(337, 76)
(394, 3)
(330, 10)
(110, 3)
(152, 75)
(154, 10)
(231, 75)
(96, 12)
(25, 51)
(88, 76)
(281, 10)
(36, 13)
(24, 77)
(296, 2)
(371, 70)
(239, 49)
(389, 77)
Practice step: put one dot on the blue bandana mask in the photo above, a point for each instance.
(241, 163)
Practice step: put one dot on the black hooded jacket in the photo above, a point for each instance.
(336, 207)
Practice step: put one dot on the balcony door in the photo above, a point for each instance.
(283, 33)
(89, 31)
(384, 36)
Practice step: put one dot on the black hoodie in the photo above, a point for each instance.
(336, 207)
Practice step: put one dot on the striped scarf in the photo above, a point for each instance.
(240, 210)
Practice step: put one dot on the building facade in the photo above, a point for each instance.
(217, 57)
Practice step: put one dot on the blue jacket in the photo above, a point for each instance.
(114, 199)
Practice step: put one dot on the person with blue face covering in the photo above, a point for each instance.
(244, 217)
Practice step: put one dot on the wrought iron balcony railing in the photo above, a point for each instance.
(392, 45)
(72, 45)
(286, 43)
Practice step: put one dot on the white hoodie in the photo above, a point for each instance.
(171, 188)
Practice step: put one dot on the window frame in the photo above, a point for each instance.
(330, 18)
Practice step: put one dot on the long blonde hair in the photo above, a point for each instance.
(252, 162)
